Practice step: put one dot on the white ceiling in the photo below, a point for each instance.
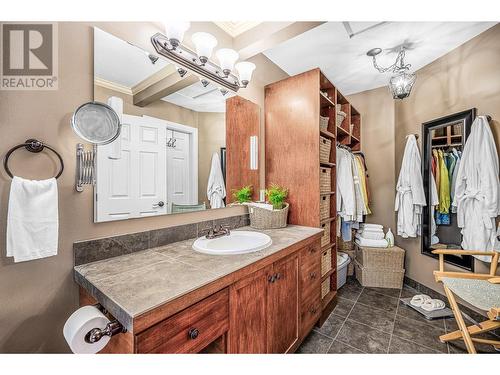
(126, 65)
(235, 28)
(199, 98)
(344, 60)
(120, 62)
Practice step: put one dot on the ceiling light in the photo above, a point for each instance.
(402, 82)
(227, 57)
(175, 32)
(205, 82)
(223, 91)
(245, 70)
(204, 44)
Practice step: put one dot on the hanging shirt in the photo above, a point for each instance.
(444, 185)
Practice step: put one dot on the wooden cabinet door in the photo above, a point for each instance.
(248, 315)
(283, 305)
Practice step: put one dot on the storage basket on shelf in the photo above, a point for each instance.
(324, 207)
(325, 287)
(325, 180)
(260, 218)
(323, 122)
(325, 239)
(324, 149)
(340, 117)
(326, 261)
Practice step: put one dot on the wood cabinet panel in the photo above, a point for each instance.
(190, 330)
(242, 122)
(283, 306)
(248, 313)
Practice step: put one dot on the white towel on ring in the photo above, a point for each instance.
(32, 219)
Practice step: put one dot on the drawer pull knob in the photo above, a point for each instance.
(313, 275)
(279, 276)
(193, 333)
(313, 310)
(271, 278)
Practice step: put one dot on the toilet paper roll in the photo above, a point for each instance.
(79, 324)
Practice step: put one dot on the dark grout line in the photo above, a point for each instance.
(394, 321)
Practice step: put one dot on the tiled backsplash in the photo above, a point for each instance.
(109, 247)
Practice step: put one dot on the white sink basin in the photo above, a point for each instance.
(238, 242)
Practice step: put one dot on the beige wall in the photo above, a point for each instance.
(211, 137)
(377, 142)
(38, 296)
(467, 77)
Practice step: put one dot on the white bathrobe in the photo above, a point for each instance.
(346, 198)
(477, 190)
(410, 197)
(216, 191)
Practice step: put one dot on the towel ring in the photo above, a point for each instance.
(32, 145)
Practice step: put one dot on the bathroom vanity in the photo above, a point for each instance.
(172, 299)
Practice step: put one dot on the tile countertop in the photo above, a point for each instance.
(130, 285)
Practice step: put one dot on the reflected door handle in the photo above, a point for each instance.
(159, 204)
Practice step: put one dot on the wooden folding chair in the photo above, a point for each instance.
(480, 290)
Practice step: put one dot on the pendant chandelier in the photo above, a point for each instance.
(198, 61)
(402, 81)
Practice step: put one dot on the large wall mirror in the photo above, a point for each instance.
(174, 140)
(443, 142)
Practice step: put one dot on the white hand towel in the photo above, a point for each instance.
(372, 235)
(216, 191)
(372, 226)
(32, 219)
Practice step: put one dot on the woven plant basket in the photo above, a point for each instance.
(323, 122)
(325, 180)
(324, 207)
(260, 218)
(324, 149)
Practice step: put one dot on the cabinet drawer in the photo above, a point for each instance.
(190, 330)
(310, 311)
(310, 255)
(310, 279)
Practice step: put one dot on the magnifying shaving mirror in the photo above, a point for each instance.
(96, 123)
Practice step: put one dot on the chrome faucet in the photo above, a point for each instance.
(217, 231)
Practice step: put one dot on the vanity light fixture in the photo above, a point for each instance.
(198, 61)
(402, 82)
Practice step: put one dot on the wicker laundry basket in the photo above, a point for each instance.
(325, 238)
(340, 117)
(326, 261)
(379, 277)
(260, 218)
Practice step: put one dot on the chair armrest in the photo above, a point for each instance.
(494, 280)
(462, 252)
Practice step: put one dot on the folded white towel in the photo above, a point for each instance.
(371, 226)
(360, 241)
(32, 219)
(372, 235)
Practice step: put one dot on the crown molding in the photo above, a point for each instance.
(112, 86)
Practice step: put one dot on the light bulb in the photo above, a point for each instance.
(204, 44)
(175, 32)
(227, 57)
(245, 70)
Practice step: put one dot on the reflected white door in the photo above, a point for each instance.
(135, 184)
(179, 167)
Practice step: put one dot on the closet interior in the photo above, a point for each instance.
(306, 117)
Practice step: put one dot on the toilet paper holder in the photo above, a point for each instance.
(112, 328)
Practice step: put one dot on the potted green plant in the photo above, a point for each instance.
(267, 218)
(243, 195)
(276, 195)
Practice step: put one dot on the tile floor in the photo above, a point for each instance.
(373, 320)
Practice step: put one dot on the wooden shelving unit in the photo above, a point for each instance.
(448, 139)
(291, 161)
